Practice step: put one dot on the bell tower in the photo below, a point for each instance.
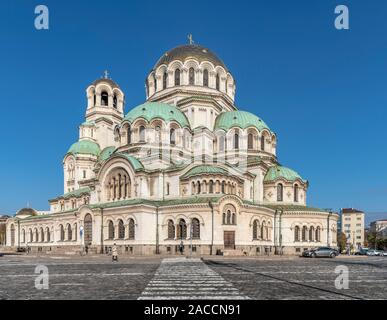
(105, 109)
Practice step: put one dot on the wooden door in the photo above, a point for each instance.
(229, 239)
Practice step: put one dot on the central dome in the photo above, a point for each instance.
(188, 51)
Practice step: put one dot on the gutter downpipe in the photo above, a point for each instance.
(212, 226)
(101, 230)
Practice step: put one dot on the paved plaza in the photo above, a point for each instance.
(151, 278)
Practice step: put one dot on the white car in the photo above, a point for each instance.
(373, 253)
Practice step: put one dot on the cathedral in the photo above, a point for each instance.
(186, 171)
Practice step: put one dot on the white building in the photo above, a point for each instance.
(185, 166)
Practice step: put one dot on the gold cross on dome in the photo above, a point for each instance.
(190, 39)
(106, 74)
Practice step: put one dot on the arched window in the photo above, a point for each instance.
(195, 228)
(48, 234)
(236, 141)
(31, 236)
(311, 234)
(171, 230)
(217, 82)
(165, 79)
(255, 229)
(223, 187)
(110, 230)
(280, 191)
(296, 193)
(250, 141)
(23, 236)
(318, 234)
(142, 134)
(205, 78)
(172, 137)
(191, 76)
(304, 233)
(297, 234)
(224, 218)
(177, 77)
(69, 233)
(233, 218)
(132, 231)
(199, 188)
(155, 82)
(115, 101)
(228, 217)
(211, 187)
(263, 230)
(129, 135)
(263, 143)
(182, 229)
(104, 98)
(62, 233)
(193, 188)
(168, 189)
(121, 229)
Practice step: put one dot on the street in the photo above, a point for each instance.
(152, 278)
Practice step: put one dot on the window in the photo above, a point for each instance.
(221, 143)
(177, 77)
(142, 134)
(115, 101)
(195, 228)
(228, 221)
(182, 229)
(84, 174)
(88, 229)
(191, 76)
(311, 234)
(165, 79)
(132, 231)
(217, 82)
(223, 187)
(172, 137)
(262, 143)
(110, 230)
(104, 99)
(211, 187)
(155, 82)
(69, 233)
(205, 78)
(297, 234)
(121, 229)
(62, 233)
(304, 233)
(233, 218)
(171, 229)
(23, 236)
(224, 218)
(168, 189)
(280, 191)
(255, 229)
(250, 141)
(317, 237)
(236, 141)
(199, 188)
(296, 193)
(48, 234)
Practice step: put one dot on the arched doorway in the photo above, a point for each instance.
(88, 229)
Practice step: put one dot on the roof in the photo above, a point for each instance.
(157, 110)
(136, 164)
(88, 124)
(106, 153)
(85, 147)
(240, 119)
(351, 210)
(27, 211)
(292, 208)
(77, 193)
(186, 52)
(203, 169)
(108, 81)
(279, 172)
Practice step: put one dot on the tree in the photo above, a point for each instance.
(342, 241)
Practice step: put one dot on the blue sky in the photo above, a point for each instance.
(323, 91)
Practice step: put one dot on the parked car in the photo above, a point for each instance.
(321, 252)
(362, 252)
(384, 253)
(373, 252)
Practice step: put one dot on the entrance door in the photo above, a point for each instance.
(88, 229)
(229, 239)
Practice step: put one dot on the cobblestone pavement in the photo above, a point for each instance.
(188, 279)
(96, 277)
(305, 278)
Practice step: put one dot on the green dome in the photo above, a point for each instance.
(85, 147)
(203, 169)
(240, 119)
(157, 110)
(279, 172)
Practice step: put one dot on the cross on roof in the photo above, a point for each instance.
(106, 74)
(190, 39)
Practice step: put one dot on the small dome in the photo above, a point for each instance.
(106, 153)
(110, 82)
(157, 110)
(26, 212)
(186, 52)
(240, 119)
(85, 147)
(279, 172)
